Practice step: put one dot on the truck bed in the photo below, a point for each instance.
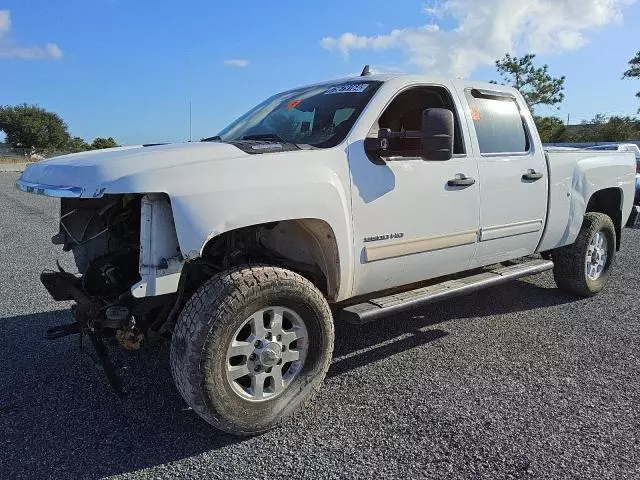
(574, 176)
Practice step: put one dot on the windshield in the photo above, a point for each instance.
(321, 116)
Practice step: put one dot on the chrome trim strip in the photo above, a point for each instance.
(510, 230)
(48, 190)
(412, 246)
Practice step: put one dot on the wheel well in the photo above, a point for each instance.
(609, 202)
(305, 246)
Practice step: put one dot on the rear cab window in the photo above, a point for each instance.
(498, 123)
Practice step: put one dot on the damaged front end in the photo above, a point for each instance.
(129, 265)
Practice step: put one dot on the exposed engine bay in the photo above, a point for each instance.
(104, 236)
(118, 242)
(132, 279)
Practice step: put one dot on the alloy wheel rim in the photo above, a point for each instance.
(597, 255)
(267, 353)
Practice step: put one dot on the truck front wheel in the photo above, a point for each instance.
(251, 346)
(583, 268)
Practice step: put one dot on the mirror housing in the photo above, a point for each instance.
(437, 134)
(380, 145)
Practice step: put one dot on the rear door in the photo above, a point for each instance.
(512, 173)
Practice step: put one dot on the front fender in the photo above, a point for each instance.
(249, 197)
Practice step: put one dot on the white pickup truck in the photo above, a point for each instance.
(347, 200)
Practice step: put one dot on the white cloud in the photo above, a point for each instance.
(5, 22)
(486, 30)
(237, 62)
(385, 69)
(376, 69)
(9, 49)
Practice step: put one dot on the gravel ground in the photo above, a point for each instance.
(519, 381)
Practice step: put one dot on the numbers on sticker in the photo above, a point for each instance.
(347, 88)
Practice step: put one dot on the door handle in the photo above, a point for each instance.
(532, 175)
(461, 181)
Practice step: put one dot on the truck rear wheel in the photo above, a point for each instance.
(583, 268)
(251, 346)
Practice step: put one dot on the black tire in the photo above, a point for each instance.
(209, 322)
(570, 262)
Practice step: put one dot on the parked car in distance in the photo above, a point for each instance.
(351, 200)
(553, 148)
(618, 147)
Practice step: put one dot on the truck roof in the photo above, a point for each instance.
(409, 78)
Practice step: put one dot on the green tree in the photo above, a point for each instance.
(99, 143)
(77, 144)
(606, 129)
(33, 128)
(634, 70)
(619, 129)
(535, 84)
(551, 129)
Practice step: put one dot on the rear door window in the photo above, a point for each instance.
(498, 123)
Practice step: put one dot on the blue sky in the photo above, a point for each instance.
(121, 67)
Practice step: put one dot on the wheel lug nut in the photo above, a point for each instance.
(257, 368)
(279, 337)
(257, 343)
(252, 356)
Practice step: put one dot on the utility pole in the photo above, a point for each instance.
(568, 118)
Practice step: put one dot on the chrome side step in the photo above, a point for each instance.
(381, 307)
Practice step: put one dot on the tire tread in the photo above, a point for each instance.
(568, 270)
(206, 312)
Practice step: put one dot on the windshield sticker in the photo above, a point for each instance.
(294, 103)
(475, 114)
(348, 88)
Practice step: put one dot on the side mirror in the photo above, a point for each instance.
(379, 145)
(437, 134)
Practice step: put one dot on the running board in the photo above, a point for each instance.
(381, 307)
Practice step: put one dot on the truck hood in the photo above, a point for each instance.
(90, 173)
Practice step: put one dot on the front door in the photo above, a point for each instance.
(513, 174)
(409, 224)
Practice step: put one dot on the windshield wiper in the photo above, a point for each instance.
(217, 138)
(265, 136)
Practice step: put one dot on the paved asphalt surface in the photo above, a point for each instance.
(12, 167)
(520, 381)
